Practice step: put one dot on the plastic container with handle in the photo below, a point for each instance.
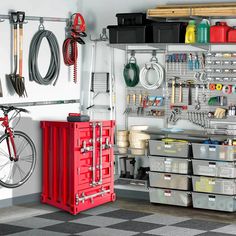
(190, 36)
(219, 32)
(203, 31)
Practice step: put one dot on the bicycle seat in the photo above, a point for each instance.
(7, 109)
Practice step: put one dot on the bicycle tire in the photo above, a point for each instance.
(31, 170)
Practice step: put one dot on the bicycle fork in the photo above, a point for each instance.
(11, 143)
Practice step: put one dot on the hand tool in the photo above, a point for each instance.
(12, 76)
(190, 62)
(180, 92)
(196, 62)
(20, 80)
(128, 99)
(140, 99)
(134, 99)
(173, 91)
(197, 106)
(189, 84)
(178, 107)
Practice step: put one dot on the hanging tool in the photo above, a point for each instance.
(189, 84)
(197, 106)
(17, 81)
(190, 61)
(173, 91)
(70, 49)
(196, 62)
(180, 92)
(20, 80)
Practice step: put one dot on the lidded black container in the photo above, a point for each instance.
(169, 32)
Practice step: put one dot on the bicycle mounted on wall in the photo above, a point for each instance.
(17, 151)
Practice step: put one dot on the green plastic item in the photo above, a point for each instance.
(203, 31)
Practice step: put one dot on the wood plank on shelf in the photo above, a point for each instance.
(196, 5)
(224, 9)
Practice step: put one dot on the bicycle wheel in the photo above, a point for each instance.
(15, 173)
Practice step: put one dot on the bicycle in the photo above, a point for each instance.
(17, 151)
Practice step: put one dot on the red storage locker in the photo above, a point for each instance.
(78, 164)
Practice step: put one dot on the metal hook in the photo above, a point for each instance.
(132, 57)
(154, 57)
(41, 21)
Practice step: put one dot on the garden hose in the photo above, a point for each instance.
(158, 79)
(54, 67)
(131, 82)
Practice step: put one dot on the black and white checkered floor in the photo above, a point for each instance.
(108, 221)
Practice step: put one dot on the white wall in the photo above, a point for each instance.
(65, 88)
(100, 14)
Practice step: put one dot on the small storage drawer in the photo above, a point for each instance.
(172, 149)
(170, 165)
(214, 152)
(169, 32)
(214, 168)
(173, 181)
(170, 197)
(127, 34)
(131, 19)
(214, 185)
(214, 202)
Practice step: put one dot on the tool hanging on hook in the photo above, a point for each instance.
(17, 80)
(70, 49)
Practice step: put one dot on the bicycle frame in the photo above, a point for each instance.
(9, 131)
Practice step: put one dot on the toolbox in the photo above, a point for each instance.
(214, 202)
(214, 152)
(214, 185)
(128, 34)
(78, 169)
(170, 164)
(170, 197)
(132, 19)
(169, 32)
(214, 168)
(172, 149)
(172, 181)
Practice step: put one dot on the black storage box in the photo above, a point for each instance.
(127, 34)
(169, 32)
(132, 19)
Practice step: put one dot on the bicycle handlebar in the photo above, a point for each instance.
(7, 109)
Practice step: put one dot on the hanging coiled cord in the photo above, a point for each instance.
(54, 67)
(131, 82)
(158, 79)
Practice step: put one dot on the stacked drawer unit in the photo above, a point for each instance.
(170, 173)
(214, 180)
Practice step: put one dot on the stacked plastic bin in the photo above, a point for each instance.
(214, 180)
(170, 172)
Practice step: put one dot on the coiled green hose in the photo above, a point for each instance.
(54, 67)
(131, 82)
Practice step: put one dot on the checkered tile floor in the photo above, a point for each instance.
(108, 221)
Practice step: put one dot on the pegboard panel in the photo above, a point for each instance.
(217, 68)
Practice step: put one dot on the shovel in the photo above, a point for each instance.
(20, 80)
(12, 76)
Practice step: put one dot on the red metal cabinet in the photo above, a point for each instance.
(78, 164)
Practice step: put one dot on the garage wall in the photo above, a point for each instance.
(100, 14)
(65, 88)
